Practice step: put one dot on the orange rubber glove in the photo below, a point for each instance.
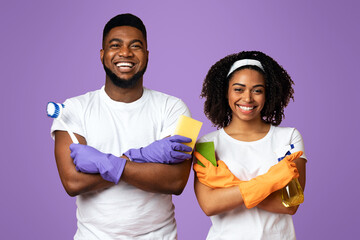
(278, 176)
(255, 190)
(214, 177)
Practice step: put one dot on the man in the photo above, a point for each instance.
(125, 168)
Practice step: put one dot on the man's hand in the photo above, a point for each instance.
(89, 160)
(168, 150)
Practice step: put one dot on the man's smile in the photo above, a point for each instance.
(125, 66)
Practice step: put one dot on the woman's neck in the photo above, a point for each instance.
(247, 131)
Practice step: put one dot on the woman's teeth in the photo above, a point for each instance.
(246, 108)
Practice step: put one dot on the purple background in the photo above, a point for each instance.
(50, 51)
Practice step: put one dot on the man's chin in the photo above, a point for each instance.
(123, 82)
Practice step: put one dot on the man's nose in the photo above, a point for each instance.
(125, 52)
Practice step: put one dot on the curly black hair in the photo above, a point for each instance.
(278, 89)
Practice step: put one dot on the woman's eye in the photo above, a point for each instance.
(259, 91)
(238, 90)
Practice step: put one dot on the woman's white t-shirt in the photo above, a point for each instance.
(247, 160)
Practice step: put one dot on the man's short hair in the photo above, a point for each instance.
(125, 19)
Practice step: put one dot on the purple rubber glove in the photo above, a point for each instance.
(90, 160)
(166, 150)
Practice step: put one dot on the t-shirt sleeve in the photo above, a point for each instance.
(172, 114)
(204, 138)
(71, 116)
(298, 143)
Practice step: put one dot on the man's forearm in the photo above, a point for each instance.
(157, 177)
(152, 177)
(74, 182)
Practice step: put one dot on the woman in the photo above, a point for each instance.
(246, 94)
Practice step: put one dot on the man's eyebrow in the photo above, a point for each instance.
(115, 40)
(136, 41)
(131, 42)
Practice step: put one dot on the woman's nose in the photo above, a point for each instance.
(247, 96)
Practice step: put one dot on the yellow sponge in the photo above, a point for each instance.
(188, 127)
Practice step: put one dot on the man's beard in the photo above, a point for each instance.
(122, 83)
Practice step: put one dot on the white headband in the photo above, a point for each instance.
(245, 62)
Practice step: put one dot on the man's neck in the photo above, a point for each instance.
(126, 95)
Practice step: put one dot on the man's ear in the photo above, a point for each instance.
(101, 55)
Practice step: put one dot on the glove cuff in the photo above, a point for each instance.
(135, 155)
(114, 173)
(251, 193)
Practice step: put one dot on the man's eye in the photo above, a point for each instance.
(136, 46)
(114, 45)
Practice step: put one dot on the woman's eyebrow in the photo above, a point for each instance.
(259, 85)
(243, 85)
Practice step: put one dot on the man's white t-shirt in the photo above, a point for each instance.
(123, 211)
(247, 160)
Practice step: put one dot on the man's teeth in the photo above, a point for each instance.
(125, 64)
(246, 108)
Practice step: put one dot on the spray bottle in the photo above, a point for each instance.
(292, 194)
